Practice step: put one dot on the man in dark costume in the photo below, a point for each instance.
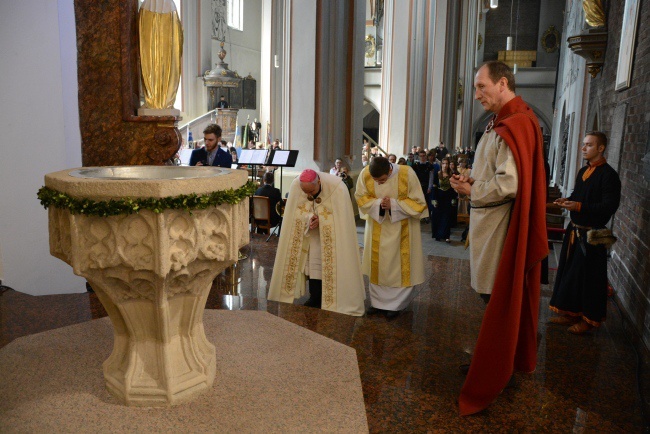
(580, 292)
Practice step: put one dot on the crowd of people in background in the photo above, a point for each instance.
(434, 167)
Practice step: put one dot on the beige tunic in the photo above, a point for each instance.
(392, 254)
(495, 179)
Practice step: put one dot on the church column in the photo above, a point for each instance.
(419, 78)
(266, 70)
(323, 79)
(276, 42)
(450, 78)
(471, 47)
(393, 79)
(416, 100)
(299, 79)
(339, 80)
(437, 61)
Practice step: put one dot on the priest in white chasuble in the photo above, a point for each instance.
(391, 202)
(318, 243)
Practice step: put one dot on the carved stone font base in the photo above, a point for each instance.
(153, 273)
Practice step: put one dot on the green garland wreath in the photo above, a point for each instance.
(188, 202)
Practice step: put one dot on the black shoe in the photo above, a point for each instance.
(464, 368)
(315, 293)
(372, 310)
(390, 314)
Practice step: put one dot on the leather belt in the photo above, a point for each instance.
(581, 227)
(492, 204)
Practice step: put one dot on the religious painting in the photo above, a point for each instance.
(626, 49)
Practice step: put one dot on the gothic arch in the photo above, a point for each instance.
(371, 119)
(369, 106)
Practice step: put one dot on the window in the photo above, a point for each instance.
(236, 14)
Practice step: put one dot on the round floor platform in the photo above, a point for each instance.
(272, 376)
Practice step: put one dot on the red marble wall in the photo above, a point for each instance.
(109, 76)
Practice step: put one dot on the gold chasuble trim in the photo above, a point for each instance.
(414, 205)
(291, 273)
(376, 228)
(328, 266)
(370, 186)
(374, 259)
(405, 246)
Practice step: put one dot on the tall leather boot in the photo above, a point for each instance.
(315, 293)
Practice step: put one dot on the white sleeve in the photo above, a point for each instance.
(396, 211)
(373, 212)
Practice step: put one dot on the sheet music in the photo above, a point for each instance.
(253, 156)
(246, 156)
(280, 158)
(259, 156)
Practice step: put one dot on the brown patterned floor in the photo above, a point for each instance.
(409, 366)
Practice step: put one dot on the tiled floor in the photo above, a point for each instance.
(409, 366)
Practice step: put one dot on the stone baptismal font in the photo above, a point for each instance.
(150, 251)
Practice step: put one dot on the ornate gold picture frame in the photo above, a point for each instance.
(551, 40)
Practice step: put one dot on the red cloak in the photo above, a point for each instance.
(508, 336)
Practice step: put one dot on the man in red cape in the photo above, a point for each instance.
(510, 154)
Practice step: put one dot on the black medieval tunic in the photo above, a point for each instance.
(581, 282)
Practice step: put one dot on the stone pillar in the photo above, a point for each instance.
(267, 68)
(338, 121)
(471, 48)
(437, 61)
(392, 134)
(323, 79)
(450, 78)
(418, 101)
(276, 75)
(299, 79)
(410, 76)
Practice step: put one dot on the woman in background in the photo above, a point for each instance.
(442, 203)
(454, 203)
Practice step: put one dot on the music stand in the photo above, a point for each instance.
(253, 157)
(281, 158)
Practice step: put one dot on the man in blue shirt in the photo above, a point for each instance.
(212, 154)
